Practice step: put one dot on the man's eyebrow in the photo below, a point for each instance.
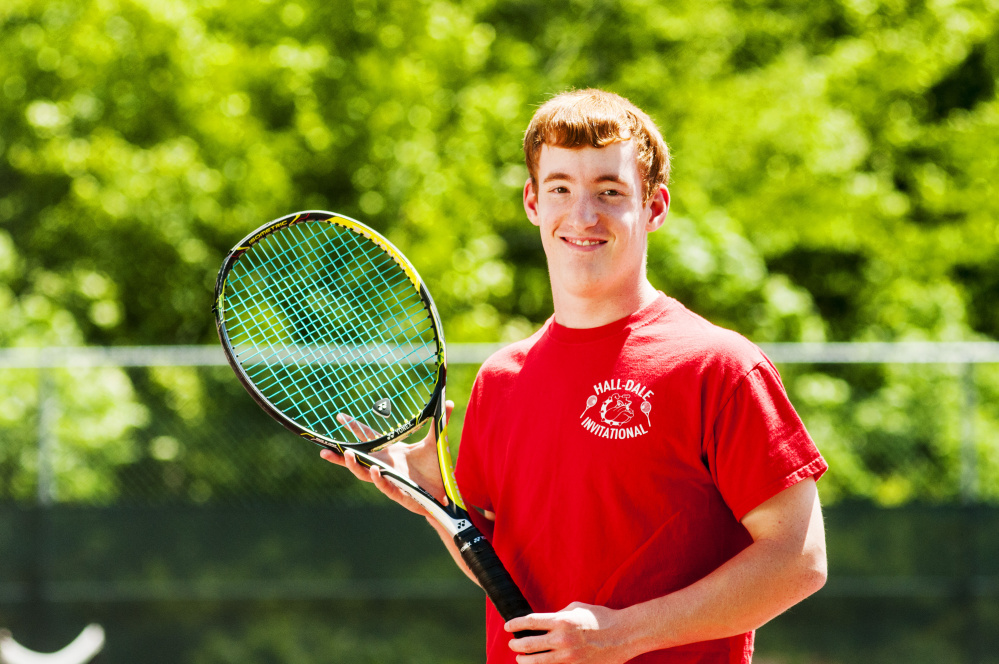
(608, 177)
(557, 176)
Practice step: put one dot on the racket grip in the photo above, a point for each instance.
(482, 560)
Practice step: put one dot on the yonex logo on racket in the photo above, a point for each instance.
(618, 409)
(383, 407)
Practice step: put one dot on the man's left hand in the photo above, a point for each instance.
(578, 634)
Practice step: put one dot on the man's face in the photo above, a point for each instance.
(593, 221)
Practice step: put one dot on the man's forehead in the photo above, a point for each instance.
(619, 156)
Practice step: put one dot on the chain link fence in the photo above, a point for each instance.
(148, 425)
(154, 425)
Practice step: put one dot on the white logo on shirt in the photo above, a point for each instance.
(617, 416)
(617, 409)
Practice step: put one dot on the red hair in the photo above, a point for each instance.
(596, 118)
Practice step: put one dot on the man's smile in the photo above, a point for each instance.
(583, 242)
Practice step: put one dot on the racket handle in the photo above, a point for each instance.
(482, 560)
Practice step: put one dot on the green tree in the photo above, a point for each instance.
(833, 177)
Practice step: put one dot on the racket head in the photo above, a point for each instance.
(320, 315)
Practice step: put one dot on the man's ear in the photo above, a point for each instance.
(657, 207)
(531, 202)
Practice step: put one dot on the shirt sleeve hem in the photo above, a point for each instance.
(814, 469)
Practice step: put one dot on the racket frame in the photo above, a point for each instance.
(474, 548)
(452, 516)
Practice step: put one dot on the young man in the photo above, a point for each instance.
(639, 471)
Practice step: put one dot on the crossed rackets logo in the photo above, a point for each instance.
(617, 414)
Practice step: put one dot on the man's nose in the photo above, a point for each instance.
(584, 212)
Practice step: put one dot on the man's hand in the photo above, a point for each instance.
(578, 634)
(417, 461)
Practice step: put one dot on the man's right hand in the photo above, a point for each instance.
(417, 461)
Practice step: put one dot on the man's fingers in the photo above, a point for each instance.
(348, 461)
(361, 431)
(371, 474)
(534, 621)
(392, 490)
(528, 645)
(332, 457)
(386, 486)
(537, 644)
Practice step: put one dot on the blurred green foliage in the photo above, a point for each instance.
(834, 180)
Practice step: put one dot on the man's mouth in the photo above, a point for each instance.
(582, 242)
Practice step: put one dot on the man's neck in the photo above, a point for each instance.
(587, 312)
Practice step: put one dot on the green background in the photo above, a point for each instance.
(834, 181)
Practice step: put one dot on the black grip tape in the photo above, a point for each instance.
(481, 558)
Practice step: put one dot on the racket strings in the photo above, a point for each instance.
(346, 327)
(367, 334)
(401, 315)
(341, 334)
(301, 319)
(302, 383)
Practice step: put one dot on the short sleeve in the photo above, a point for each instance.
(758, 446)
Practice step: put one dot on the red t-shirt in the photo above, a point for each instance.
(619, 460)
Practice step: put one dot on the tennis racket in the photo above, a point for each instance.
(320, 315)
